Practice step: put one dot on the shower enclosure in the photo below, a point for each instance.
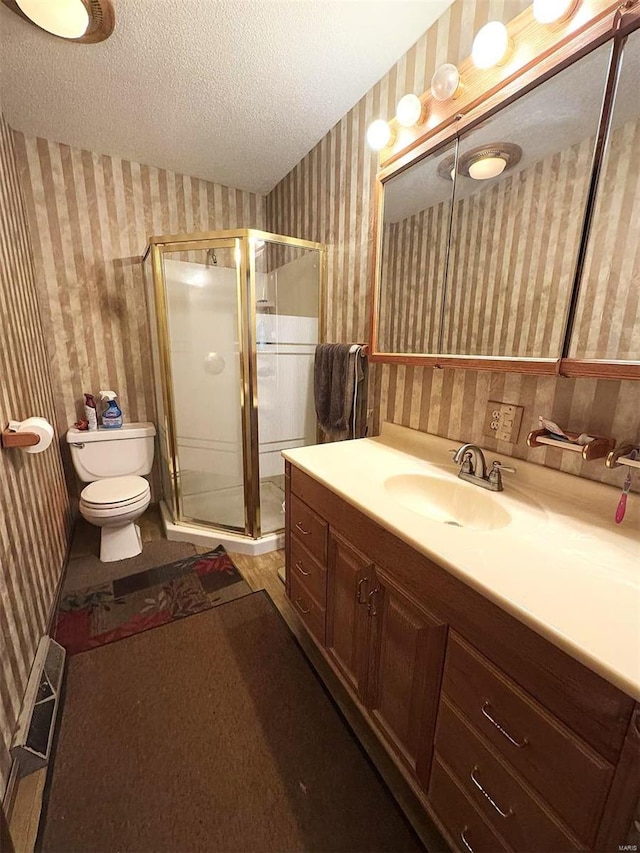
(235, 317)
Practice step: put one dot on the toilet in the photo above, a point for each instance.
(112, 462)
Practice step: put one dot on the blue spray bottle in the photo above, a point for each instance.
(111, 416)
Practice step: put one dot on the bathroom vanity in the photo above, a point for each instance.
(490, 640)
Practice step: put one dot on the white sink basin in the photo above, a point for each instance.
(449, 501)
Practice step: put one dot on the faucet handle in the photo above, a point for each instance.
(498, 466)
(467, 464)
(495, 475)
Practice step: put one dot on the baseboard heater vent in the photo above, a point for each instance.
(34, 731)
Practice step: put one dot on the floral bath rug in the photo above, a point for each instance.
(93, 617)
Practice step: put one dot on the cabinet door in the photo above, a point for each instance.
(405, 671)
(349, 579)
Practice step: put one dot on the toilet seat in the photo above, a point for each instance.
(97, 511)
(115, 493)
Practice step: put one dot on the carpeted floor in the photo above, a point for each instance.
(211, 734)
(145, 599)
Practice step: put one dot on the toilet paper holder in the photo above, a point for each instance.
(10, 438)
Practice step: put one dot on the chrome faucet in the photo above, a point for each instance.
(470, 457)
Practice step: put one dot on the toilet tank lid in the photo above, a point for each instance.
(83, 436)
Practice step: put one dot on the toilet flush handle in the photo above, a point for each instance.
(79, 446)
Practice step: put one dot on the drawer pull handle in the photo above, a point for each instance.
(503, 731)
(359, 592)
(301, 570)
(301, 529)
(301, 608)
(372, 602)
(488, 796)
(464, 840)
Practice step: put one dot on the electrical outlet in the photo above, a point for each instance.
(502, 421)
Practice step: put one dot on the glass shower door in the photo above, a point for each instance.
(151, 279)
(287, 285)
(203, 294)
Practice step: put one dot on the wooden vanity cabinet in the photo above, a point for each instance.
(388, 649)
(509, 743)
(350, 580)
(406, 654)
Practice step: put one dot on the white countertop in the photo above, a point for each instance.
(562, 566)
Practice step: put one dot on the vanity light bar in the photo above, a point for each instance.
(491, 46)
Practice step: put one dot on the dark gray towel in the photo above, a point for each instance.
(334, 386)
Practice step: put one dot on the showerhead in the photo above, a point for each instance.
(211, 257)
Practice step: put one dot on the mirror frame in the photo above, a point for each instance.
(551, 49)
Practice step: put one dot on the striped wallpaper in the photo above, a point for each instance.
(328, 197)
(91, 216)
(514, 246)
(34, 507)
(413, 270)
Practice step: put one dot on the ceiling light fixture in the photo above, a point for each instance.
(379, 134)
(410, 111)
(483, 163)
(553, 11)
(446, 82)
(72, 20)
(489, 161)
(491, 46)
(487, 167)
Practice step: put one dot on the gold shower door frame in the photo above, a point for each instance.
(243, 241)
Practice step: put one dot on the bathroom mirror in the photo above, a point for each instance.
(507, 233)
(415, 232)
(610, 281)
(522, 182)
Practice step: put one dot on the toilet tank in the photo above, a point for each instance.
(101, 453)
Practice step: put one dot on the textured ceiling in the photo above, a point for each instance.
(234, 91)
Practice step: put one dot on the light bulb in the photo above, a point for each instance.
(550, 11)
(491, 46)
(487, 167)
(409, 110)
(378, 134)
(445, 83)
(68, 19)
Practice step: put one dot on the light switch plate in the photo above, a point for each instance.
(502, 421)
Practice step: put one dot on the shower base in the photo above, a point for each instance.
(211, 538)
(223, 505)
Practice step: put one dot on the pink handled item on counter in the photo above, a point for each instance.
(622, 503)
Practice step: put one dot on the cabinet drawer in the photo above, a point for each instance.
(563, 769)
(468, 829)
(309, 528)
(309, 571)
(311, 613)
(500, 797)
